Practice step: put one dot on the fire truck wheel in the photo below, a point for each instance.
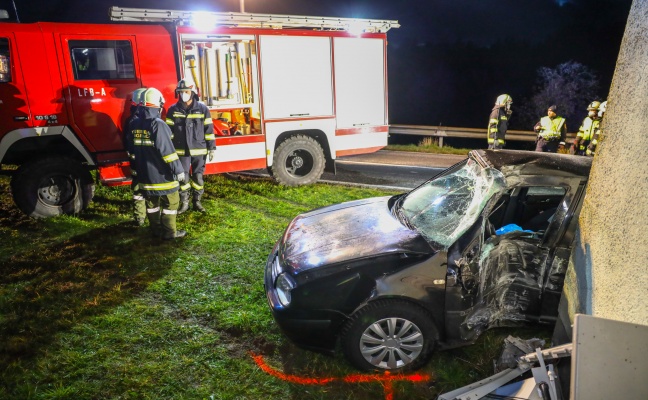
(52, 186)
(299, 160)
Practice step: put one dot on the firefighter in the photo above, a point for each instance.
(498, 122)
(587, 129)
(139, 205)
(552, 132)
(591, 148)
(159, 170)
(194, 140)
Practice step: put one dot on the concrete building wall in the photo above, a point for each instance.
(608, 274)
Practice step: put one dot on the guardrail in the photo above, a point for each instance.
(441, 132)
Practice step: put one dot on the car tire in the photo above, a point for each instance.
(298, 160)
(368, 344)
(52, 186)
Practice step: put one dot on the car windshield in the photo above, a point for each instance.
(443, 209)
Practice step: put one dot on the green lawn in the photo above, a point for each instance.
(92, 308)
(428, 145)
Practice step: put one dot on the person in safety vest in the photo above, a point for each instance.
(139, 205)
(194, 140)
(591, 148)
(498, 122)
(552, 132)
(159, 170)
(587, 129)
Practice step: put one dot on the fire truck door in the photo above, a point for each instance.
(102, 72)
(14, 107)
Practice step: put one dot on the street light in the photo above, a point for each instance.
(242, 5)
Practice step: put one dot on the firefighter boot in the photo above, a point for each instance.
(175, 235)
(197, 206)
(184, 201)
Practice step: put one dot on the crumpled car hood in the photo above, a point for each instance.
(345, 232)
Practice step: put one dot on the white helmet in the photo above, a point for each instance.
(136, 98)
(184, 85)
(503, 100)
(601, 109)
(152, 98)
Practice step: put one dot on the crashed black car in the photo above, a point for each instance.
(484, 244)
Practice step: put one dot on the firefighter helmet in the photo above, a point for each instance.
(602, 108)
(503, 100)
(594, 106)
(152, 98)
(136, 98)
(182, 85)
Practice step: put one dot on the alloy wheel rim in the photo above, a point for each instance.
(391, 343)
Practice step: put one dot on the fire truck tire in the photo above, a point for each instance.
(299, 160)
(52, 186)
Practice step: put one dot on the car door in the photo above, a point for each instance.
(559, 241)
(101, 72)
(505, 272)
(14, 107)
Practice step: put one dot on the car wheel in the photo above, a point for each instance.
(52, 186)
(389, 335)
(299, 160)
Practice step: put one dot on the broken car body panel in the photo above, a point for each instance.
(436, 248)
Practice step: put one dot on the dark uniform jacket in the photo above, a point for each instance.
(153, 155)
(193, 130)
(128, 138)
(497, 125)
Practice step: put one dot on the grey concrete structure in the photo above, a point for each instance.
(609, 265)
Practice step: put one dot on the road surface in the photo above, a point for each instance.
(396, 170)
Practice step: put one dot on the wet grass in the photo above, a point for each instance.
(93, 308)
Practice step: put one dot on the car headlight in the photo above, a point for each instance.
(284, 284)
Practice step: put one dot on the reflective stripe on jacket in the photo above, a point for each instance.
(153, 156)
(193, 130)
(497, 125)
(552, 129)
(587, 131)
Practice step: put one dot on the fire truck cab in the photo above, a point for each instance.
(286, 93)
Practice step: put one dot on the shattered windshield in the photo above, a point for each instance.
(444, 208)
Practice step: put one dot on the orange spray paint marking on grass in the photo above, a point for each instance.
(386, 380)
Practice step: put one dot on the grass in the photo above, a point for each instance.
(428, 145)
(92, 308)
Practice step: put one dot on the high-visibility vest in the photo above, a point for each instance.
(586, 132)
(551, 128)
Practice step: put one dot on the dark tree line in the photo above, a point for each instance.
(455, 84)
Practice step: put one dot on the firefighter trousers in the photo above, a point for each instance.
(193, 182)
(162, 212)
(139, 204)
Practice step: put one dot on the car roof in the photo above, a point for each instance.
(532, 162)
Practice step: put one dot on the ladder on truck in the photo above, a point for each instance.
(248, 20)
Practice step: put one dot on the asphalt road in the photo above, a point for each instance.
(397, 170)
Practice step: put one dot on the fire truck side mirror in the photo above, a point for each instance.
(4, 14)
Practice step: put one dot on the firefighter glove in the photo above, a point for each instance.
(180, 177)
(211, 154)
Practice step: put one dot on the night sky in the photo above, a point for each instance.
(450, 58)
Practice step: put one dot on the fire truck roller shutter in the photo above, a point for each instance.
(52, 186)
(212, 74)
(222, 72)
(191, 65)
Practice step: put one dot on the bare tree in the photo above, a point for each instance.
(571, 86)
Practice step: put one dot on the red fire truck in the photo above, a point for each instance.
(286, 93)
